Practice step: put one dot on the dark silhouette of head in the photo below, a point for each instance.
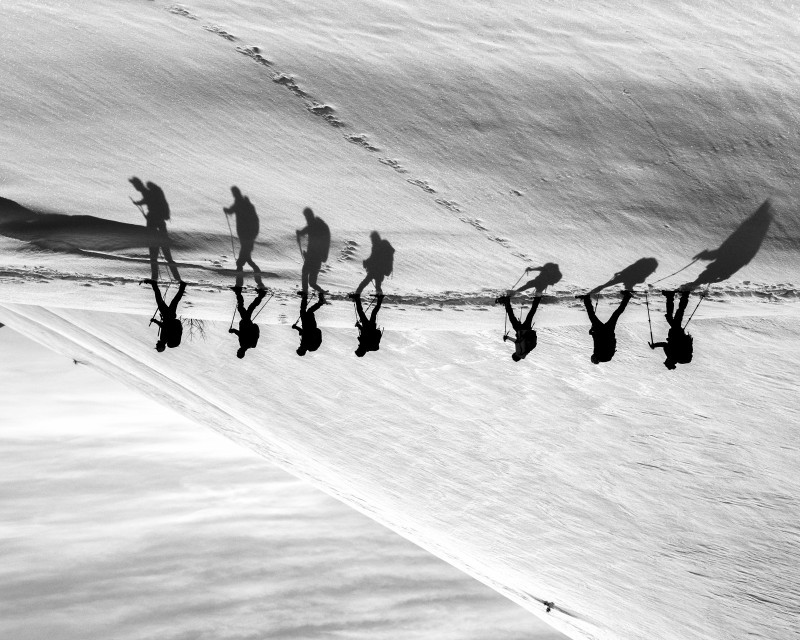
(137, 184)
(160, 346)
(237, 195)
(670, 364)
(301, 350)
(595, 359)
(240, 352)
(309, 214)
(360, 351)
(515, 357)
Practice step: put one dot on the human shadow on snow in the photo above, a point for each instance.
(630, 276)
(737, 250)
(549, 274)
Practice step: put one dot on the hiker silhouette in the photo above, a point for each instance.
(679, 347)
(549, 274)
(316, 251)
(248, 331)
(156, 223)
(369, 336)
(631, 275)
(246, 228)
(525, 340)
(310, 333)
(604, 333)
(379, 264)
(170, 329)
(737, 250)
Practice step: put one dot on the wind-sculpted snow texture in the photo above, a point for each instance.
(603, 141)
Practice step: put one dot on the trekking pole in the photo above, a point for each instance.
(232, 317)
(518, 279)
(702, 295)
(649, 323)
(139, 207)
(230, 232)
(263, 304)
(677, 272)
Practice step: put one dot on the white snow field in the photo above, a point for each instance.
(121, 519)
(480, 139)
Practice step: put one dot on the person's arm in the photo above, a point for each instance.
(655, 345)
(158, 322)
(232, 330)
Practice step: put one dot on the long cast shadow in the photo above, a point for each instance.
(631, 275)
(737, 251)
(549, 274)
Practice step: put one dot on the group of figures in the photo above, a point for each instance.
(316, 233)
(735, 252)
(678, 347)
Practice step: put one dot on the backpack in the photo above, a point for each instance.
(385, 262)
(685, 350)
(156, 202)
(319, 240)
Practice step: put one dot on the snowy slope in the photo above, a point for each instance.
(645, 503)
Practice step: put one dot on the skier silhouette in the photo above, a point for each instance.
(603, 333)
(246, 228)
(310, 334)
(319, 243)
(549, 274)
(156, 217)
(248, 331)
(369, 336)
(379, 264)
(525, 340)
(679, 347)
(170, 328)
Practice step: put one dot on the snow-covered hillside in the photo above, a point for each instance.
(480, 140)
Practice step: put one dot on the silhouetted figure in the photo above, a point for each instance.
(604, 333)
(679, 347)
(246, 228)
(310, 334)
(379, 264)
(248, 331)
(737, 250)
(170, 329)
(549, 274)
(317, 248)
(156, 216)
(631, 275)
(369, 336)
(525, 340)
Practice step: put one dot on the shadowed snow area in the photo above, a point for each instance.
(608, 145)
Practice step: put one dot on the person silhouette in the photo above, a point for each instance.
(379, 264)
(170, 329)
(525, 340)
(369, 336)
(156, 222)
(316, 252)
(679, 347)
(246, 228)
(310, 334)
(549, 274)
(248, 331)
(603, 333)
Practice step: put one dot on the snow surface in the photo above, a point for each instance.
(121, 519)
(479, 138)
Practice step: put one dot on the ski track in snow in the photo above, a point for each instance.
(320, 108)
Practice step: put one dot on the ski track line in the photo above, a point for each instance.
(327, 112)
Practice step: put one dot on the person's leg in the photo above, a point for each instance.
(173, 306)
(316, 306)
(312, 278)
(256, 301)
(363, 284)
(162, 306)
(154, 263)
(670, 295)
(510, 312)
(612, 321)
(684, 301)
(373, 318)
(587, 302)
(360, 311)
(168, 255)
(528, 323)
(378, 284)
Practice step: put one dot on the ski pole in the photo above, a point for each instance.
(677, 272)
(649, 323)
(702, 295)
(230, 232)
(139, 207)
(232, 317)
(264, 304)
